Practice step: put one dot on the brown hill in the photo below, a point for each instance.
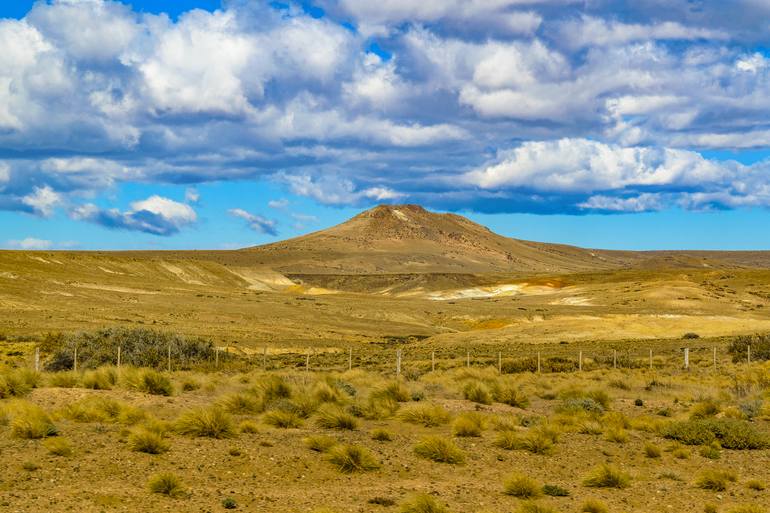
(410, 239)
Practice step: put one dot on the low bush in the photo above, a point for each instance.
(382, 435)
(100, 379)
(64, 379)
(651, 451)
(593, 506)
(755, 484)
(439, 449)
(352, 458)
(511, 395)
(102, 409)
(167, 484)
(730, 433)
(28, 421)
(149, 381)
(17, 383)
(607, 476)
(522, 487)
(210, 422)
(477, 392)
(555, 491)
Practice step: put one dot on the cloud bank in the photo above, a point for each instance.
(544, 106)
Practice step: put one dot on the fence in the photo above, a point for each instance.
(412, 358)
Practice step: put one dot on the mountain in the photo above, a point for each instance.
(410, 239)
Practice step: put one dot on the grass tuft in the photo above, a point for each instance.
(522, 487)
(422, 503)
(439, 449)
(167, 484)
(282, 419)
(211, 422)
(58, 446)
(428, 415)
(331, 416)
(469, 424)
(147, 441)
(607, 476)
(352, 458)
(715, 479)
(319, 443)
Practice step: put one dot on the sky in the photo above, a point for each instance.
(207, 124)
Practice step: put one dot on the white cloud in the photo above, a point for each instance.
(155, 215)
(643, 203)
(278, 204)
(191, 195)
(31, 243)
(5, 174)
(42, 200)
(256, 222)
(337, 191)
(581, 165)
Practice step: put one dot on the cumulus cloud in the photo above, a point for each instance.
(505, 105)
(155, 215)
(256, 222)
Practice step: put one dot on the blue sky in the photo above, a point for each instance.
(616, 124)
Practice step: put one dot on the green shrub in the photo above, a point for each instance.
(730, 433)
(229, 503)
(715, 479)
(100, 379)
(422, 503)
(352, 458)
(248, 426)
(703, 409)
(711, 451)
(394, 391)
(534, 441)
(166, 483)
(140, 347)
(150, 381)
(64, 379)
(760, 347)
(439, 449)
(522, 487)
(468, 424)
(330, 416)
(211, 422)
(607, 476)
(429, 415)
(755, 484)
(243, 403)
(17, 383)
(102, 409)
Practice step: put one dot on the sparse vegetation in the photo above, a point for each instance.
(211, 422)
(352, 458)
(422, 503)
(166, 483)
(715, 479)
(607, 476)
(439, 449)
(523, 487)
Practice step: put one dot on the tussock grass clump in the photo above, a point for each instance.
(243, 403)
(607, 476)
(147, 441)
(591, 401)
(439, 449)
(248, 427)
(58, 446)
(28, 421)
(428, 415)
(167, 484)
(704, 409)
(536, 441)
(102, 409)
(590, 427)
(274, 387)
(352, 458)
(617, 435)
(511, 395)
(323, 392)
(382, 435)
(593, 506)
(730, 433)
(211, 422)
(477, 392)
(64, 379)
(523, 487)
(422, 503)
(755, 484)
(715, 479)
(149, 381)
(319, 443)
(282, 419)
(394, 391)
(468, 424)
(651, 450)
(711, 451)
(189, 385)
(17, 383)
(103, 378)
(331, 416)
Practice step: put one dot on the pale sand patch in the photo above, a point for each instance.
(110, 288)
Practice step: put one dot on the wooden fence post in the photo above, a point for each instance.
(614, 358)
(307, 361)
(350, 358)
(468, 358)
(169, 358)
(433, 361)
(398, 362)
(499, 362)
(748, 354)
(715, 357)
(216, 357)
(75, 360)
(687, 358)
(119, 349)
(264, 358)
(538, 362)
(37, 359)
(650, 359)
(580, 361)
